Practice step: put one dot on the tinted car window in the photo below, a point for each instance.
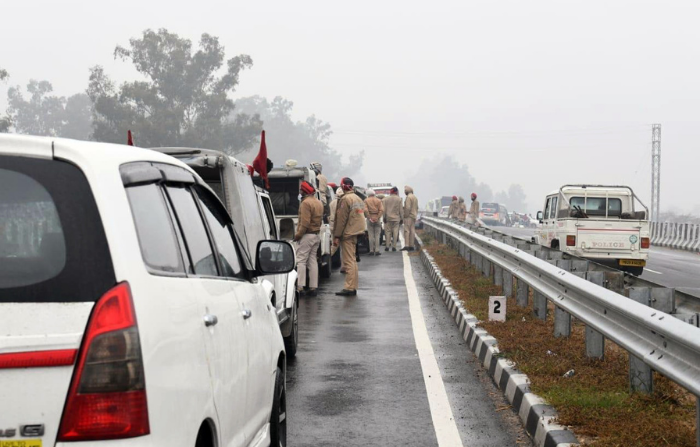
(159, 246)
(52, 244)
(222, 233)
(196, 238)
(595, 206)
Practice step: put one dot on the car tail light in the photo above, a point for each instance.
(570, 240)
(645, 242)
(107, 397)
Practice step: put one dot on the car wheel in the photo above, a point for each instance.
(292, 340)
(636, 271)
(326, 266)
(278, 417)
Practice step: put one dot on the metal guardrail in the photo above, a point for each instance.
(655, 338)
(681, 236)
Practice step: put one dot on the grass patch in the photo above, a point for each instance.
(595, 401)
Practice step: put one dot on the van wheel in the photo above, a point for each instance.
(636, 271)
(278, 417)
(292, 340)
(555, 245)
(326, 266)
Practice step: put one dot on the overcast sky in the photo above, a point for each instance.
(539, 93)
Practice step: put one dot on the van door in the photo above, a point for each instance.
(223, 323)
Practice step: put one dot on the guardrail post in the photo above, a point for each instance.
(579, 266)
(562, 319)
(615, 281)
(595, 341)
(664, 299)
(485, 267)
(522, 294)
(539, 305)
(507, 283)
(641, 374)
(498, 275)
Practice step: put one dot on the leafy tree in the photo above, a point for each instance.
(5, 122)
(447, 177)
(305, 141)
(517, 200)
(49, 115)
(182, 101)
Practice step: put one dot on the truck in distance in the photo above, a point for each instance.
(597, 222)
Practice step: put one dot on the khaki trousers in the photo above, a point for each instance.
(391, 234)
(348, 245)
(374, 231)
(307, 249)
(409, 232)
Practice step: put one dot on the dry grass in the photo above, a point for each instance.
(595, 402)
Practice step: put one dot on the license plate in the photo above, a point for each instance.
(626, 262)
(21, 443)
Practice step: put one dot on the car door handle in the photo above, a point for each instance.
(210, 320)
(246, 314)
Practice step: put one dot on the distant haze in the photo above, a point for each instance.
(537, 93)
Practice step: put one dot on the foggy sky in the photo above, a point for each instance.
(539, 93)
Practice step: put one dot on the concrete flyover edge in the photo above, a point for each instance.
(538, 418)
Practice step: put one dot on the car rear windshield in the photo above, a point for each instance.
(491, 207)
(284, 193)
(52, 244)
(596, 206)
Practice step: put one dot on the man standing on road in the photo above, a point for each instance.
(310, 217)
(322, 185)
(334, 207)
(453, 211)
(462, 216)
(410, 214)
(349, 223)
(393, 217)
(474, 211)
(374, 210)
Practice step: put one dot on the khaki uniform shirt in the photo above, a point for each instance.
(310, 216)
(410, 207)
(374, 209)
(393, 211)
(474, 209)
(453, 212)
(462, 211)
(349, 216)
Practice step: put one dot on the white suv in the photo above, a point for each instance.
(127, 312)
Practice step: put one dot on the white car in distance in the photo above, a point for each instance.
(128, 316)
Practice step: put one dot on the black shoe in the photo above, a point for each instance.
(346, 292)
(393, 249)
(357, 258)
(411, 248)
(386, 248)
(312, 292)
(377, 254)
(405, 249)
(371, 253)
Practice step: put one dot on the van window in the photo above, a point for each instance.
(554, 207)
(285, 196)
(194, 231)
(547, 208)
(270, 216)
(222, 233)
(595, 206)
(159, 246)
(52, 244)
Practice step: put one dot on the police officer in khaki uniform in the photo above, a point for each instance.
(374, 210)
(462, 215)
(310, 217)
(410, 214)
(453, 211)
(333, 207)
(393, 217)
(349, 223)
(473, 217)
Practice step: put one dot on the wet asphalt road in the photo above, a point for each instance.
(357, 378)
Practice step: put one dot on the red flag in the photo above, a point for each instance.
(260, 162)
(129, 139)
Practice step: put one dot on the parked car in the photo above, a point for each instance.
(443, 211)
(128, 312)
(494, 214)
(254, 217)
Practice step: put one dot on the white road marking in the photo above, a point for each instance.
(440, 410)
(652, 271)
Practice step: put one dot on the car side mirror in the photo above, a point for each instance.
(274, 257)
(540, 216)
